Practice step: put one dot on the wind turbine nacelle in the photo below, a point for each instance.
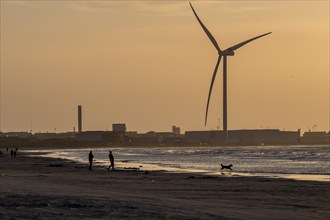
(228, 53)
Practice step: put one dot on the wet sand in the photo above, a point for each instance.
(48, 188)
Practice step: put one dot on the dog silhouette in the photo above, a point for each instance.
(226, 167)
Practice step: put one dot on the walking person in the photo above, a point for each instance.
(112, 161)
(90, 158)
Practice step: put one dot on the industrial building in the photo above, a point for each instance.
(316, 137)
(119, 127)
(262, 136)
(120, 136)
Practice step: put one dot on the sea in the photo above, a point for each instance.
(301, 162)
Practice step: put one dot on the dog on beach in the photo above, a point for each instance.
(226, 167)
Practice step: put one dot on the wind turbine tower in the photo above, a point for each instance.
(221, 53)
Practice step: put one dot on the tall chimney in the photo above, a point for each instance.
(79, 119)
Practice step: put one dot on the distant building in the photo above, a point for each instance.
(93, 136)
(315, 137)
(165, 134)
(132, 134)
(262, 136)
(47, 135)
(119, 127)
(16, 134)
(154, 138)
(204, 137)
(175, 130)
(107, 137)
(150, 134)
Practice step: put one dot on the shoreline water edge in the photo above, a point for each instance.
(188, 160)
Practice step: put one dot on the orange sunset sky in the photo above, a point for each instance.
(149, 64)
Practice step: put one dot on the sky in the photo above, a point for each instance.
(149, 64)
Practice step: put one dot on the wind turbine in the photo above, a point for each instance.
(222, 53)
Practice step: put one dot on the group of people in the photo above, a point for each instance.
(12, 152)
(111, 158)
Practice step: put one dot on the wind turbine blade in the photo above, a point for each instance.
(245, 42)
(214, 42)
(211, 86)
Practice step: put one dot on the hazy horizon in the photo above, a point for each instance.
(149, 65)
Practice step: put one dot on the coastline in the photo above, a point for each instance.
(92, 145)
(34, 187)
(54, 153)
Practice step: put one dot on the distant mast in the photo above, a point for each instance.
(79, 119)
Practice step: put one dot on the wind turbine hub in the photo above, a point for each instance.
(228, 53)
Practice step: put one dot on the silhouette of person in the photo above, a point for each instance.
(90, 158)
(14, 153)
(112, 161)
(7, 149)
(11, 153)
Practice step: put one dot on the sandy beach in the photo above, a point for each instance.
(34, 187)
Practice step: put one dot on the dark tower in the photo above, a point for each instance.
(79, 119)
